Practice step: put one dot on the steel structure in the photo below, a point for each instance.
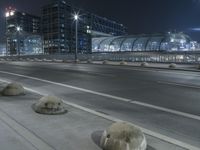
(142, 43)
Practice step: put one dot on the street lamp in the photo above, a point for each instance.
(18, 39)
(18, 29)
(76, 18)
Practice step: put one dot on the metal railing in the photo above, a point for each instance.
(180, 57)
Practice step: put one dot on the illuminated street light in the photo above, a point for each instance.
(12, 13)
(18, 29)
(18, 39)
(76, 18)
(7, 14)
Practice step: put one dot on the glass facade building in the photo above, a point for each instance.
(19, 26)
(33, 44)
(29, 23)
(144, 43)
(2, 49)
(100, 25)
(58, 27)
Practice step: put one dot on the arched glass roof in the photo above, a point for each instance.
(154, 42)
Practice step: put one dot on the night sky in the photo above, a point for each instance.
(140, 16)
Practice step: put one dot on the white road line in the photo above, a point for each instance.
(179, 84)
(146, 131)
(191, 116)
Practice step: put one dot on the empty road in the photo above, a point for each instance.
(163, 101)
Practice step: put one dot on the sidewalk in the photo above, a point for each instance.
(23, 129)
(181, 67)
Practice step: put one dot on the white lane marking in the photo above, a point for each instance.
(114, 119)
(25, 133)
(191, 116)
(179, 84)
(146, 131)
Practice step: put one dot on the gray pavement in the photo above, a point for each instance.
(174, 90)
(75, 130)
(179, 66)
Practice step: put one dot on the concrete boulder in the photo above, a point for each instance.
(144, 64)
(89, 61)
(105, 62)
(77, 61)
(49, 105)
(172, 65)
(21, 59)
(8, 59)
(36, 59)
(65, 61)
(123, 136)
(57, 60)
(123, 63)
(13, 89)
(45, 60)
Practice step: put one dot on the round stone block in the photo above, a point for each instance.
(123, 136)
(144, 64)
(13, 89)
(49, 105)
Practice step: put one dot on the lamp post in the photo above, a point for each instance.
(76, 17)
(18, 41)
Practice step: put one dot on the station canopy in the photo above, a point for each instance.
(153, 42)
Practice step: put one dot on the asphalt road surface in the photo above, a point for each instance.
(163, 101)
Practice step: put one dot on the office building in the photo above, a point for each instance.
(20, 26)
(58, 27)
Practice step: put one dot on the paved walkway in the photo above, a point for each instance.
(23, 129)
(184, 67)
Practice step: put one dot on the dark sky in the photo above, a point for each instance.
(140, 16)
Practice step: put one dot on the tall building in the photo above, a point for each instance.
(58, 27)
(29, 23)
(101, 26)
(20, 25)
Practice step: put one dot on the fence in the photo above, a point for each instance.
(181, 57)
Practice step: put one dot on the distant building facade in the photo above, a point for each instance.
(19, 26)
(2, 49)
(165, 42)
(58, 28)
